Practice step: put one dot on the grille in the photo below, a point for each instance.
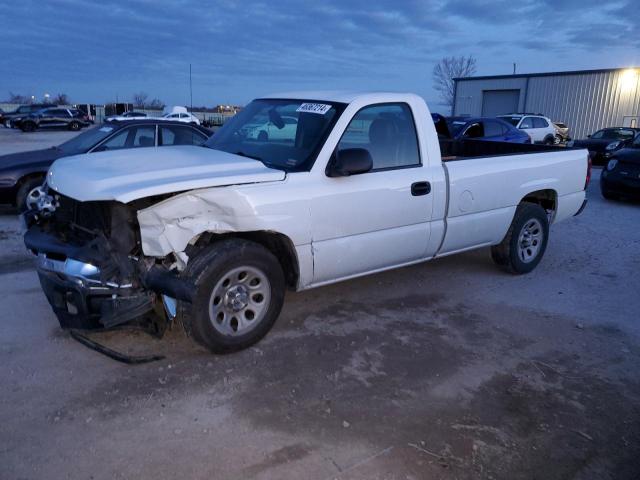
(86, 215)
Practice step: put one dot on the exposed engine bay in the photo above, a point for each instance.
(91, 267)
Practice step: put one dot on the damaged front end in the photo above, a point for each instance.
(91, 267)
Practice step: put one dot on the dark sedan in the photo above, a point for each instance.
(6, 118)
(69, 118)
(479, 128)
(621, 176)
(21, 172)
(604, 143)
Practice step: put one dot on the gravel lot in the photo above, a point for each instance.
(449, 370)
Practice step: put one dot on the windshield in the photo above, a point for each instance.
(512, 120)
(636, 142)
(86, 140)
(283, 134)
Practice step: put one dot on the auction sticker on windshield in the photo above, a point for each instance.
(320, 108)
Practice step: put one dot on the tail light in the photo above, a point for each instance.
(589, 163)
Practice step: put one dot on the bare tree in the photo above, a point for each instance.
(61, 99)
(446, 70)
(17, 98)
(140, 99)
(156, 103)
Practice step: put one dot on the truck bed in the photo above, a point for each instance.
(453, 150)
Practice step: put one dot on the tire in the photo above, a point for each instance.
(227, 275)
(26, 186)
(28, 126)
(608, 195)
(74, 126)
(263, 136)
(549, 140)
(557, 140)
(530, 226)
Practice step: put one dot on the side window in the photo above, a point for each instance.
(173, 135)
(144, 137)
(388, 132)
(598, 134)
(492, 129)
(526, 123)
(119, 140)
(475, 130)
(540, 122)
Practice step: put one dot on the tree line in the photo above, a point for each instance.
(139, 100)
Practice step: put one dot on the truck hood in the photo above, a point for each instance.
(127, 175)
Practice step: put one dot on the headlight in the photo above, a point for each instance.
(613, 145)
(612, 164)
(570, 143)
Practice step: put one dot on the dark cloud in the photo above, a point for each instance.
(97, 50)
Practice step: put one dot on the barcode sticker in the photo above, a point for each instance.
(319, 108)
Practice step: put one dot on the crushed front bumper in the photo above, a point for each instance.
(81, 300)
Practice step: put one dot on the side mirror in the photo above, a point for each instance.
(588, 136)
(350, 161)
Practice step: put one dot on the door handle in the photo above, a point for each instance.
(420, 188)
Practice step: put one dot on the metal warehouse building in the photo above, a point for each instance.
(585, 100)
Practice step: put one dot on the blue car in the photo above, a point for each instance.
(479, 128)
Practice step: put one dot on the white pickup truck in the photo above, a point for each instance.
(213, 235)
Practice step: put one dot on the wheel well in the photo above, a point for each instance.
(278, 244)
(547, 199)
(28, 177)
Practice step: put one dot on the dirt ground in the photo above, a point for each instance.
(446, 370)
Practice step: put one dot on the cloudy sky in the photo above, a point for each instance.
(96, 51)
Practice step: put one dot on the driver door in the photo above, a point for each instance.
(381, 218)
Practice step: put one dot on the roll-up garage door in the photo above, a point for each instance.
(499, 102)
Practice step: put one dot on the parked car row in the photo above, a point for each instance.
(21, 173)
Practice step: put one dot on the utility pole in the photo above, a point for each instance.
(190, 88)
(514, 68)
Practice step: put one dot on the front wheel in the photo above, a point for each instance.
(74, 126)
(239, 292)
(525, 242)
(28, 127)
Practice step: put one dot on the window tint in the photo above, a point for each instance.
(183, 115)
(493, 129)
(58, 112)
(174, 135)
(387, 132)
(526, 123)
(540, 122)
(598, 134)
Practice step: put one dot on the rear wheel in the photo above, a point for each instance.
(525, 242)
(74, 126)
(549, 140)
(239, 294)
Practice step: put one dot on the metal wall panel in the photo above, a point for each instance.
(586, 101)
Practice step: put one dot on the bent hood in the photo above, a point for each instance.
(127, 175)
